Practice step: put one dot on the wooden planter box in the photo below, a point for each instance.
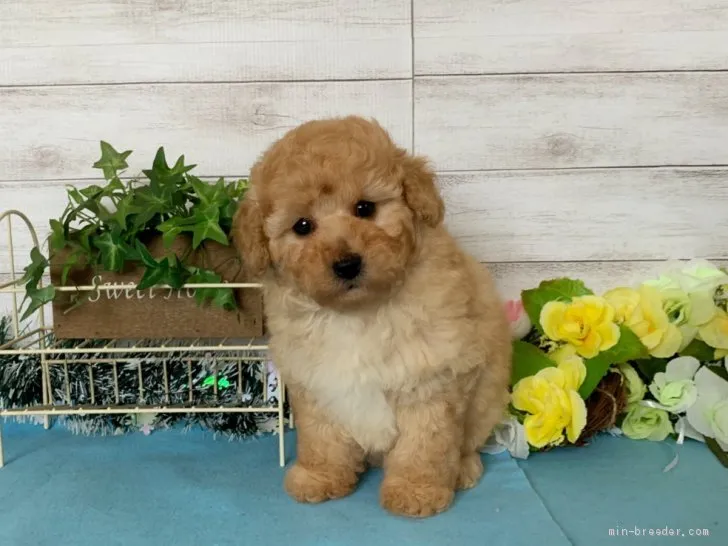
(155, 312)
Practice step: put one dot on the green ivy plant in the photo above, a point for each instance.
(102, 226)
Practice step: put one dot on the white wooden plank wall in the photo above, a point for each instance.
(572, 137)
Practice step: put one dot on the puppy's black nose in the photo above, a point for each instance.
(348, 267)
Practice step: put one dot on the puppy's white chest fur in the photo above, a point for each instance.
(348, 363)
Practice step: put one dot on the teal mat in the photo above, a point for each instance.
(619, 484)
(181, 489)
(175, 489)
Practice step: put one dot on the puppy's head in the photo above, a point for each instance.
(334, 210)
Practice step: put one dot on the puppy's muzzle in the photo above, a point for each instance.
(348, 267)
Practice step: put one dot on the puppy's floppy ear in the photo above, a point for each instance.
(420, 191)
(249, 237)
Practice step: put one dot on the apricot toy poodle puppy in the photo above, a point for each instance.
(391, 340)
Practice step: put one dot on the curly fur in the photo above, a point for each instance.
(407, 365)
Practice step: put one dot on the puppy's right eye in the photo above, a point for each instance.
(303, 226)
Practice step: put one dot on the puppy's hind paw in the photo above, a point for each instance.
(313, 486)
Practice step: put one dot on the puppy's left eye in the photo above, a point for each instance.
(365, 209)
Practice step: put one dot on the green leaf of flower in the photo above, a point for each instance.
(528, 360)
(628, 348)
(554, 290)
(648, 367)
(721, 455)
(719, 370)
(111, 161)
(700, 350)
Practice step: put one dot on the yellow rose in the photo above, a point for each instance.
(715, 331)
(587, 323)
(571, 364)
(624, 301)
(647, 319)
(554, 405)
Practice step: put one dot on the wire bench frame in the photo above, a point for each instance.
(61, 354)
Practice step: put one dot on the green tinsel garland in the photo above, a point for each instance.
(20, 386)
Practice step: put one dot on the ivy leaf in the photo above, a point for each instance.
(170, 234)
(173, 227)
(70, 261)
(628, 348)
(112, 251)
(209, 194)
(236, 190)
(224, 298)
(33, 272)
(700, 350)
(83, 237)
(125, 208)
(167, 271)
(111, 161)
(90, 200)
(200, 276)
(177, 273)
(527, 361)
(57, 237)
(151, 201)
(92, 191)
(162, 177)
(37, 298)
(209, 229)
(219, 297)
(146, 258)
(554, 290)
(204, 224)
(154, 275)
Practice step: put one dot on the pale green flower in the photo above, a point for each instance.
(644, 423)
(636, 388)
(701, 276)
(688, 295)
(709, 414)
(674, 389)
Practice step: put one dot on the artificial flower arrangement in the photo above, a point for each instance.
(646, 361)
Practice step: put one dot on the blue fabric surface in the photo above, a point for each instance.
(617, 483)
(187, 489)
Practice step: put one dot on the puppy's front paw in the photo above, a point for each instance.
(313, 486)
(471, 469)
(418, 500)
